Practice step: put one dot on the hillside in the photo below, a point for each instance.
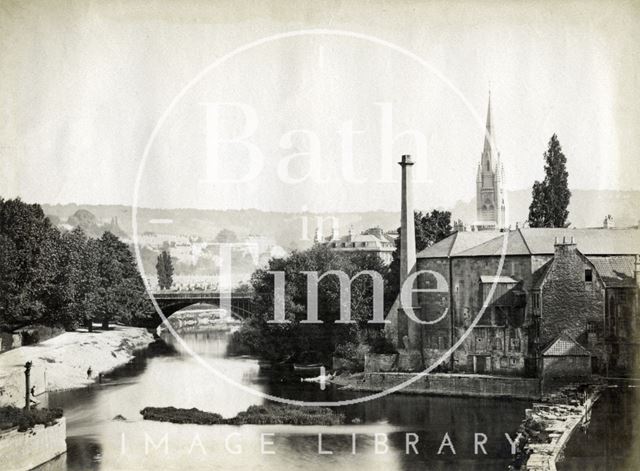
(588, 208)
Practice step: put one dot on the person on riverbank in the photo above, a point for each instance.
(89, 371)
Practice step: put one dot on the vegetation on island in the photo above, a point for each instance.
(268, 414)
(11, 416)
(299, 341)
(550, 197)
(63, 278)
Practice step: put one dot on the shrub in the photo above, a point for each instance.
(11, 416)
(269, 414)
(181, 416)
(381, 344)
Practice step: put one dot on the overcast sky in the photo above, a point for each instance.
(84, 84)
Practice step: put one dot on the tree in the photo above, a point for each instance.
(57, 279)
(429, 228)
(550, 198)
(226, 236)
(29, 256)
(121, 294)
(295, 339)
(164, 268)
(76, 282)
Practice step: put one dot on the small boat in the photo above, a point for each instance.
(307, 369)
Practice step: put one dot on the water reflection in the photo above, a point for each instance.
(381, 427)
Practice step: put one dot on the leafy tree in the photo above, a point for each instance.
(164, 268)
(121, 294)
(76, 281)
(65, 279)
(429, 228)
(295, 339)
(550, 197)
(29, 251)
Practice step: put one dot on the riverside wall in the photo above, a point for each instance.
(447, 384)
(22, 451)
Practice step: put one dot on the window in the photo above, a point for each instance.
(500, 314)
(535, 299)
(592, 327)
(588, 275)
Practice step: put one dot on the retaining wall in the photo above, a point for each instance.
(26, 450)
(456, 384)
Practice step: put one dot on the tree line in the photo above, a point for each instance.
(66, 279)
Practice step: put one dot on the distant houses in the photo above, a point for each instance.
(373, 240)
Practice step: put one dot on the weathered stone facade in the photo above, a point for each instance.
(572, 295)
(500, 318)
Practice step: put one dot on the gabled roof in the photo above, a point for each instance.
(565, 346)
(497, 279)
(456, 243)
(515, 245)
(616, 271)
(539, 275)
(598, 241)
(538, 241)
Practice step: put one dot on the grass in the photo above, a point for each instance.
(269, 414)
(11, 416)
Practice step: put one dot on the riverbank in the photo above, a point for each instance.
(62, 362)
(549, 425)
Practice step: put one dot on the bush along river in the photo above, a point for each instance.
(106, 431)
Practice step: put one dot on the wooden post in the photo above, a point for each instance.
(27, 385)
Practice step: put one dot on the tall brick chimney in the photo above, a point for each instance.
(407, 249)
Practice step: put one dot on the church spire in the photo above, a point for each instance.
(490, 196)
(489, 152)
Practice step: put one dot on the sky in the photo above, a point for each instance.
(85, 84)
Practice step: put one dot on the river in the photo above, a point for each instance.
(381, 427)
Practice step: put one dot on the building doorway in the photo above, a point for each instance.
(480, 364)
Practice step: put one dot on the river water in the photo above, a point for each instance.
(380, 428)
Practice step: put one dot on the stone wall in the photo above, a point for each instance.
(456, 385)
(489, 349)
(568, 301)
(9, 341)
(566, 366)
(26, 450)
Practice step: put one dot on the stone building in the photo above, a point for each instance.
(373, 240)
(512, 315)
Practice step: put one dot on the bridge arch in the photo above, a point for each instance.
(170, 302)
